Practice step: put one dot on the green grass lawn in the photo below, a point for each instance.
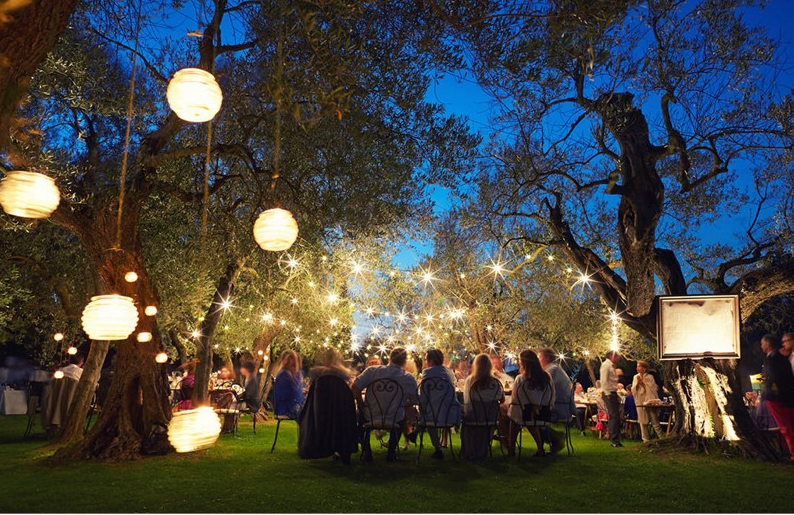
(240, 475)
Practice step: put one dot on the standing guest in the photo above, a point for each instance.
(251, 385)
(779, 388)
(564, 405)
(580, 399)
(788, 348)
(644, 389)
(394, 370)
(609, 392)
(480, 386)
(434, 367)
(288, 394)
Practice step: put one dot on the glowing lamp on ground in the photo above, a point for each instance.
(58, 374)
(193, 430)
(161, 357)
(71, 351)
(110, 317)
(130, 277)
(29, 194)
(275, 230)
(194, 95)
(150, 311)
(58, 337)
(144, 337)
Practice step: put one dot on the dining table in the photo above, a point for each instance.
(13, 402)
(663, 407)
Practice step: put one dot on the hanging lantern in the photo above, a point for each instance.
(275, 229)
(29, 194)
(194, 95)
(161, 357)
(144, 337)
(150, 311)
(110, 317)
(71, 351)
(192, 430)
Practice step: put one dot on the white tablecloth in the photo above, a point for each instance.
(14, 402)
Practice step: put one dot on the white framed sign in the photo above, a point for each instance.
(698, 326)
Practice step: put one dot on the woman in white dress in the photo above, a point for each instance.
(644, 388)
(530, 405)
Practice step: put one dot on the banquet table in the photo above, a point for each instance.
(14, 402)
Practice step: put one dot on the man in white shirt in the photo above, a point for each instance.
(74, 369)
(394, 370)
(434, 367)
(609, 392)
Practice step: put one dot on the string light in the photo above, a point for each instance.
(130, 277)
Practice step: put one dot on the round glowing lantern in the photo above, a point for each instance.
(144, 337)
(192, 430)
(161, 357)
(71, 351)
(58, 374)
(58, 337)
(275, 229)
(150, 311)
(194, 95)
(110, 317)
(29, 194)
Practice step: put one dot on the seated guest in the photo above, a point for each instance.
(461, 369)
(251, 392)
(533, 381)
(187, 384)
(330, 362)
(499, 371)
(563, 405)
(433, 367)
(288, 386)
(479, 386)
(224, 382)
(580, 399)
(394, 370)
(374, 361)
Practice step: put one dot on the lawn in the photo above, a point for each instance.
(240, 475)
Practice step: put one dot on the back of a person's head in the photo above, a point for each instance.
(547, 355)
(247, 366)
(533, 372)
(329, 357)
(436, 356)
(398, 356)
(774, 341)
(76, 359)
(374, 361)
(611, 354)
(481, 371)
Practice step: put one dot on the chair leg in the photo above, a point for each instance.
(520, 440)
(421, 443)
(449, 439)
(278, 424)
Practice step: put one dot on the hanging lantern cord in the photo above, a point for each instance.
(124, 159)
(206, 199)
(279, 88)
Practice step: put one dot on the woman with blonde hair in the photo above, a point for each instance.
(329, 361)
(481, 387)
(288, 386)
(644, 388)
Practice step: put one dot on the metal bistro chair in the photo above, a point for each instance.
(382, 402)
(485, 413)
(438, 409)
(279, 418)
(528, 418)
(568, 423)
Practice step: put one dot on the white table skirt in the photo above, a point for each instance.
(14, 402)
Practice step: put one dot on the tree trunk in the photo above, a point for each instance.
(73, 427)
(207, 330)
(173, 334)
(25, 41)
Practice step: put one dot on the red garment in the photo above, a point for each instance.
(784, 417)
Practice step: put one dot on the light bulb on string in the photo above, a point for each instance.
(161, 357)
(130, 277)
(150, 311)
(71, 351)
(57, 337)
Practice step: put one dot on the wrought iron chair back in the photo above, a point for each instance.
(484, 405)
(382, 402)
(437, 406)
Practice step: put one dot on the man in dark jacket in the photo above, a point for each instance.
(779, 388)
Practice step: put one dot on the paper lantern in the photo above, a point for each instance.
(192, 430)
(130, 277)
(110, 317)
(144, 336)
(194, 95)
(275, 229)
(71, 351)
(29, 194)
(161, 358)
(58, 374)
(150, 311)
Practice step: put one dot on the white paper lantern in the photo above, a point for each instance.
(150, 311)
(275, 229)
(144, 337)
(130, 277)
(192, 430)
(194, 95)
(29, 194)
(110, 317)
